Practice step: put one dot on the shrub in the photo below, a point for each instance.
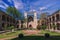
(43, 27)
(20, 35)
(11, 28)
(38, 27)
(47, 35)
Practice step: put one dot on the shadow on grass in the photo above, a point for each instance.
(38, 38)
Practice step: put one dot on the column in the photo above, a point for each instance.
(55, 22)
(26, 24)
(1, 22)
(59, 19)
(52, 22)
(9, 21)
(19, 24)
(48, 23)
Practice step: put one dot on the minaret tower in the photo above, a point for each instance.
(35, 19)
(25, 15)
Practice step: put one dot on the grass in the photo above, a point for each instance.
(54, 36)
(50, 32)
(10, 34)
(37, 38)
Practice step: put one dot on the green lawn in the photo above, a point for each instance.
(6, 35)
(37, 38)
(54, 36)
(50, 32)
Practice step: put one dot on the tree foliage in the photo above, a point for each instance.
(38, 27)
(43, 15)
(25, 20)
(13, 11)
(43, 27)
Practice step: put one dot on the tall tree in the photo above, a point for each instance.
(43, 15)
(14, 12)
(43, 20)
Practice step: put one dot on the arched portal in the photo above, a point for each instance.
(31, 19)
(30, 26)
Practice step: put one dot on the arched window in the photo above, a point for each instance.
(58, 26)
(53, 18)
(30, 18)
(57, 17)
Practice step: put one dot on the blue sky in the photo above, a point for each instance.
(40, 6)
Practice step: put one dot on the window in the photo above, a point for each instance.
(50, 19)
(50, 25)
(53, 18)
(8, 19)
(30, 18)
(3, 25)
(3, 18)
(58, 26)
(57, 17)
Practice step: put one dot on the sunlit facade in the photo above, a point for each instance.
(7, 21)
(54, 20)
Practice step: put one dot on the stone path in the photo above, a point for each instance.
(30, 32)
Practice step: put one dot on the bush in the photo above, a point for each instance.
(47, 35)
(38, 27)
(20, 35)
(43, 27)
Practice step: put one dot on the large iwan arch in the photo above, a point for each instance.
(31, 19)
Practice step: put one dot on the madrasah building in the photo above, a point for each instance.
(7, 21)
(54, 19)
(32, 21)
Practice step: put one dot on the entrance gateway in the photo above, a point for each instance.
(31, 19)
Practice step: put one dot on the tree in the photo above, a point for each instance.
(25, 20)
(43, 20)
(13, 11)
(5, 28)
(43, 27)
(38, 27)
(43, 15)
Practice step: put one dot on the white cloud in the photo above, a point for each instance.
(3, 5)
(47, 6)
(32, 10)
(42, 8)
(18, 4)
(9, 1)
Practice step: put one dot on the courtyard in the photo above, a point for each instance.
(30, 35)
(30, 20)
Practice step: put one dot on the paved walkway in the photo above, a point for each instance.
(30, 32)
